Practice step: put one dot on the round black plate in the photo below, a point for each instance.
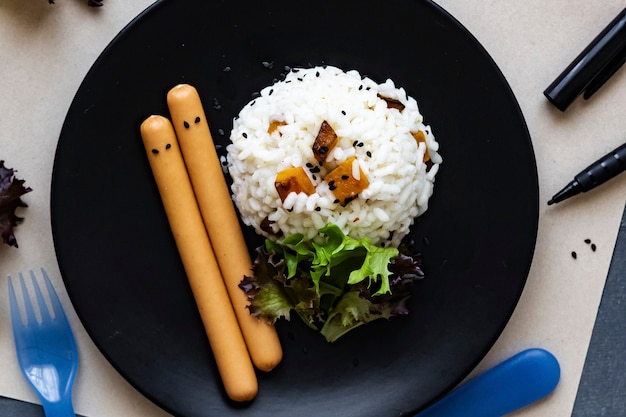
(118, 258)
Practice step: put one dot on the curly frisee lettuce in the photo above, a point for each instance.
(334, 283)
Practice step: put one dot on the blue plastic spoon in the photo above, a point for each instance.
(520, 380)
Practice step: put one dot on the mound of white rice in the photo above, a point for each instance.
(380, 137)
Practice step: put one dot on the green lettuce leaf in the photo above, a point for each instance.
(334, 283)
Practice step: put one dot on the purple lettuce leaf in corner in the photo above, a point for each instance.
(11, 191)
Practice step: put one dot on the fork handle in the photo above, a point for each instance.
(61, 408)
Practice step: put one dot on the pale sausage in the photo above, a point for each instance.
(220, 218)
(220, 323)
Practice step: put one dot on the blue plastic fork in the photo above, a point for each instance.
(46, 349)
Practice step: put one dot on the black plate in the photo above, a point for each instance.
(119, 261)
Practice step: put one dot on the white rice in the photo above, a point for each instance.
(400, 183)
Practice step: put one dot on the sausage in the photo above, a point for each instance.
(220, 219)
(218, 317)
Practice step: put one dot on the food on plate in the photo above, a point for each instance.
(293, 180)
(220, 218)
(335, 283)
(332, 168)
(292, 123)
(324, 142)
(11, 192)
(220, 323)
(346, 181)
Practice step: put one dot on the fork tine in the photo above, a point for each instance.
(57, 308)
(16, 316)
(43, 308)
(28, 306)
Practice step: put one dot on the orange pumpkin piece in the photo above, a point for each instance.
(325, 141)
(344, 185)
(421, 137)
(293, 180)
(274, 124)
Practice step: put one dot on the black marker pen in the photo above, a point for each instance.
(595, 174)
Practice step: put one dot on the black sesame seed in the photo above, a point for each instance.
(186, 125)
(360, 144)
(268, 64)
(336, 201)
(574, 255)
(369, 154)
(593, 247)
(226, 69)
(323, 149)
(221, 132)
(300, 79)
(318, 209)
(356, 142)
(587, 241)
(314, 178)
(155, 151)
(317, 73)
(197, 120)
(169, 145)
(244, 134)
(345, 177)
(360, 87)
(343, 112)
(271, 92)
(309, 165)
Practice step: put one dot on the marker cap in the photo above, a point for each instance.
(593, 66)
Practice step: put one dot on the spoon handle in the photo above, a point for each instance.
(520, 380)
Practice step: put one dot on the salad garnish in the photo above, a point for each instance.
(334, 283)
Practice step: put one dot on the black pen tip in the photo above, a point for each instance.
(570, 190)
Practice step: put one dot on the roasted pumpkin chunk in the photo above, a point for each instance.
(293, 180)
(421, 137)
(343, 182)
(274, 124)
(325, 141)
(392, 103)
